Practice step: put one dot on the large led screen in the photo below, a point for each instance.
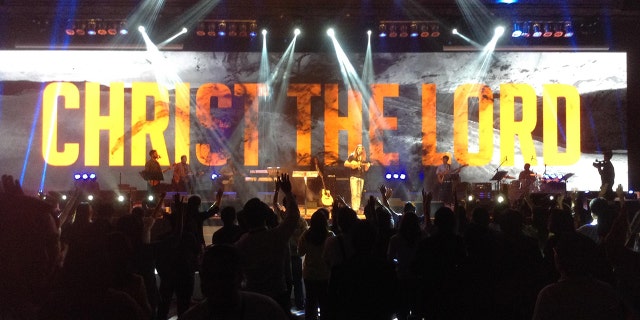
(63, 112)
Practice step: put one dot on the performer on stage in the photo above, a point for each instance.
(358, 164)
(228, 173)
(153, 173)
(607, 175)
(446, 179)
(527, 178)
(182, 175)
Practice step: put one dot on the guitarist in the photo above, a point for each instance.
(153, 173)
(446, 179)
(358, 164)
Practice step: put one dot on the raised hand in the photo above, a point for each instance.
(284, 183)
(11, 186)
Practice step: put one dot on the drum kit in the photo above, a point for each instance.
(532, 183)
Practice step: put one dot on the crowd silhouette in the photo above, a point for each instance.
(528, 260)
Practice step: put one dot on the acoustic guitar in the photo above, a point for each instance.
(443, 175)
(325, 195)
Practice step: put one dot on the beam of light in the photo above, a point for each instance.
(195, 14)
(465, 38)
(34, 125)
(367, 70)
(476, 15)
(164, 43)
(52, 126)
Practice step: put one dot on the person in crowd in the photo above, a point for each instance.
(230, 231)
(264, 251)
(221, 282)
(314, 270)
(357, 162)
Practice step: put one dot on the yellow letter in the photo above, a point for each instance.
(303, 94)
(550, 95)
(509, 127)
(429, 126)
(378, 122)
(203, 112)
(70, 151)
(141, 127)
(94, 123)
(183, 109)
(250, 91)
(461, 124)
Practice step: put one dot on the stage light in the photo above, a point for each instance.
(243, 30)
(70, 30)
(470, 198)
(388, 176)
(558, 32)
(101, 29)
(214, 176)
(113, 29)
(404, 31)
(331, 33)
(548, 30)
(141, 29)
(296, 32)
(233, 30)
(454, 31)
(517, 30)
(252, 29)
(77, 176)
(537, 32)
(120, 198)
(499, 31)
(424, 31)
(222, 29)
(396, 176)
(413, 29)
(200, 30)
(264, 32)
(90, 197)
(568, 30)
(85, 176)
(551, 197)
(382, 30)
(393, 31)
(211, 32)
(80, 29)
(369, 33)
(92, 176)
(500, 199)
(91, 28)
(403, 176)
(526, 30)
(63, 197)
(435, 30)
(150, 197)
(123, 28)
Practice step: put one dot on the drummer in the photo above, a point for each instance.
(526, 176)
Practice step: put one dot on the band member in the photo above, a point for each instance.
(607, 175)
(527, 178)
(358, 164)
(228, 173)
(446, 179)
(182, 175)
(153, 173)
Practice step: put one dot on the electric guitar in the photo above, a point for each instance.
(325, 195)
(443, 175)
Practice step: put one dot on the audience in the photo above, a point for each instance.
(89, 262)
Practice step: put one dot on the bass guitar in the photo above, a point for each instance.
(449, 173)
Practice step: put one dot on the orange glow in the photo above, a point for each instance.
(378, 123)
(303, 94)
(141, 127)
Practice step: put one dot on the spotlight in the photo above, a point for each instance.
(435, 30)
(551, 197)
(92, 176)
(403, 176)
(222, 29)
(211, 32)
(499, 31)
(500, 199)
(388, 176)
(454, 31)
(537, 32)
(214, 176)
(369, 33)
(413, 29)
(120, 198)
(296, 32)
(91, 28)
(150, 197)
(141, 29)
(90, 197)
(382, 30)
(70, 30)
(517, 30)
(470, 197)
(200, 30)
(404, 31)
(123, 28)
(331, 32)
(424, 31)
(85, 176)
(396, 176)
(233, 30)
(264, 32)
(393, 31)
(77, 176)
(568, 30)
(526, 29)
(113, 29)
(63, 197)
(102, 29)
(548, 30)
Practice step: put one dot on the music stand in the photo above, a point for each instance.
(567, 176)
(498, 177)
(305, 175)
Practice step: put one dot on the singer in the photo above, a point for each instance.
(358, 164)
(153, 173)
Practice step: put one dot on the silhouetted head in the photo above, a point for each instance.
(255, 213)
(228, 215)
(444, 220)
